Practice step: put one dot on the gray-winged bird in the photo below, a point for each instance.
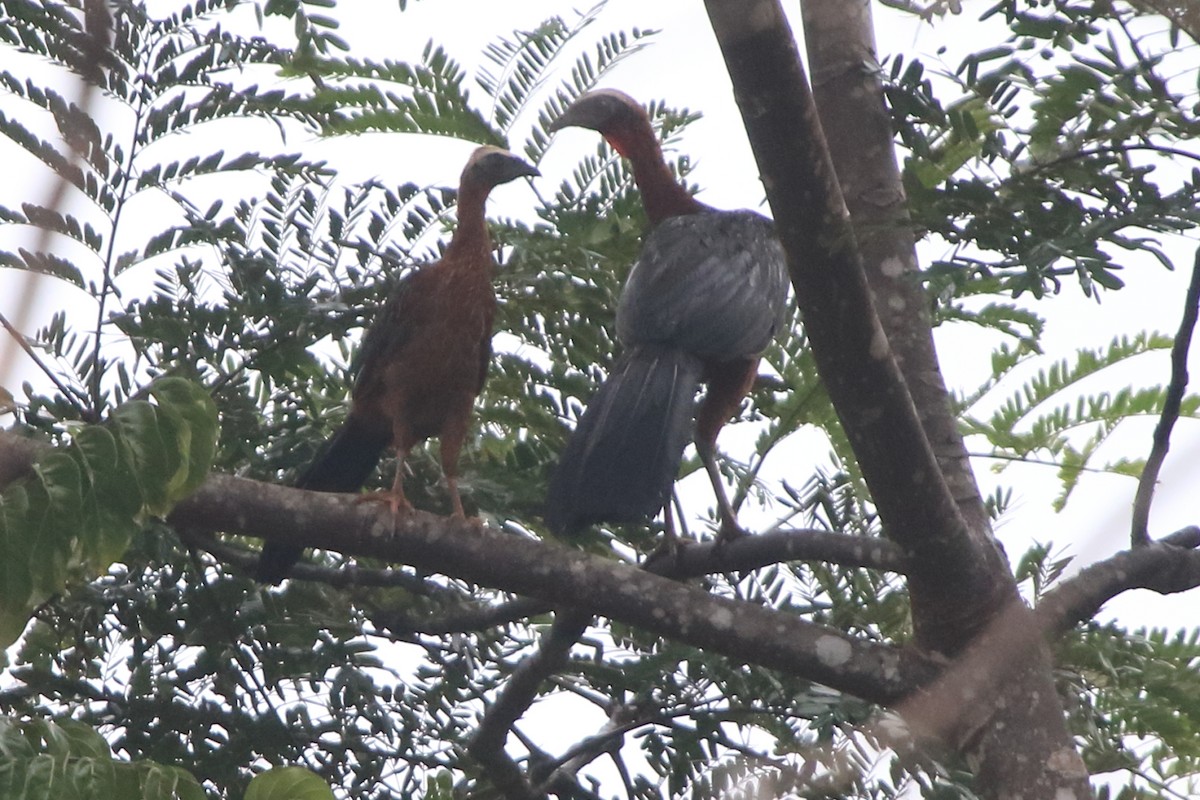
(704, 299)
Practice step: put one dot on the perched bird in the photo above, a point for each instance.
(422, 362)
(704, 299)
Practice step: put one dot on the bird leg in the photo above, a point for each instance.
(671, 545)
(730, 529)
(670, 538)
(455, 499)
(450, 443)
(394, 497)
(728, 383)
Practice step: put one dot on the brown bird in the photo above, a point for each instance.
(422, 362)
(704, 299)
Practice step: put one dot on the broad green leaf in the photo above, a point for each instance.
(193, 404)
(56, 513)
(288, 783)
(149, 443)
(112, 500)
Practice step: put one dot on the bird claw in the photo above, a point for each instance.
(729, 532)
(398, 503)
(474, 522)
(671, 547)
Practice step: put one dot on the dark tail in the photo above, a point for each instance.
(623, 456)
(343, 464)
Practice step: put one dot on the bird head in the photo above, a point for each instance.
(615, 115)
(492, 166)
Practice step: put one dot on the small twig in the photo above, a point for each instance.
(1042, 462)
(583, 752)
(29, 351)
(98, 26)
(1140, 534)
(390, 259)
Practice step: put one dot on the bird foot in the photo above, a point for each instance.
(397, 502)
(474, 522)
(729, 532)
(671, 547)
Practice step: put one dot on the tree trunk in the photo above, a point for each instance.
(1014, 732)
(840, 41)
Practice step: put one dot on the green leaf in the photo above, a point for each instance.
(84, 503)
(198, 437)
(16, 568)
(66, 759)
(288, 783)
(149, 443)
(56, 516)
(112, 500)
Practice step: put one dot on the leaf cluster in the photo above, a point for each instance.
(1045, 419)
(69, 760)
(1056, 158)
(84, 503)
(1133, 701)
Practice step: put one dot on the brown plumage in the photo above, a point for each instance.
(706, 296)
(422, 362)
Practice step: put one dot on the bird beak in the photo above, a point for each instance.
(572, 116)
(517, 167)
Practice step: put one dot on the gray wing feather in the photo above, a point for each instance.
(714, 284)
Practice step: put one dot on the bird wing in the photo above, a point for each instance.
(713, 283)
(401, 316)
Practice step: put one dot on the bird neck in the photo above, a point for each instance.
(662, 195)
(471, 231)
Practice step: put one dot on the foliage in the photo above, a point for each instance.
(1038, 172)
(1106, 672)
(251, 274)
(80, 509)
(293, 783)
(1022, 428)
(67, 760)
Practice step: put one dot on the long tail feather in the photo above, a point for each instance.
(343, 465)
(623, 456)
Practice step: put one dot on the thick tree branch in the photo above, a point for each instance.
(948, 706)
(747, 553)
(560, 576)
(763, 549)
(487, 745)
(839, 36)
(1140, 534)
(916, 506)
(951, 708)
(459, 615)
(1167, 566)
